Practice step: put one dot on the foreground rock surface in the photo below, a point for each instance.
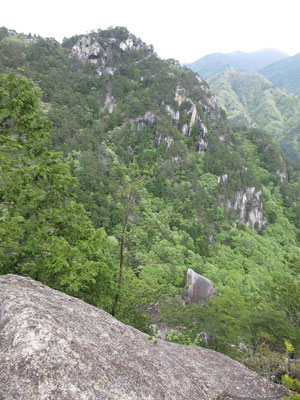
(53, 346)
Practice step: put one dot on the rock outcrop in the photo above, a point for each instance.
(249, 207)
(198, 289)
(88, 48)
(53, 346)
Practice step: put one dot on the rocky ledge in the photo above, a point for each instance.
(53, 346)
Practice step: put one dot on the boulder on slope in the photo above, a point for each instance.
(198, 289)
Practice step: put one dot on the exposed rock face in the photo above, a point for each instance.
(87, 49)
(199, 288)
(162, 137)
(223, 178)
(132, 44)
(201, 145)
(248, 205)
(56, 347)
(147, 119)
(174, 114)
(109, 105)
(281, 175)
(108, 53)
(195, 119)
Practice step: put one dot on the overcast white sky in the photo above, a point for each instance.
(185, 30)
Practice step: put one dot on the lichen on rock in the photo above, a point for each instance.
(53, 346)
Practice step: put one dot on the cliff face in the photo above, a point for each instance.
(190, 111)
(109, 90)
(249, 208)
(93, 48)
(111, 53)
(57, 347)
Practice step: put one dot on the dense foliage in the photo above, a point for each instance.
(160, 171)
(44, 232)
(285, 73)
(252, 100)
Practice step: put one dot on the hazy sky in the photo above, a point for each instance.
(185, 30)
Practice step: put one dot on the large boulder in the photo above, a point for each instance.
(53, 346)
(198, 289)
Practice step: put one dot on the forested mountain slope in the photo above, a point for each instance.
(284, 73)
(172, 185)
(216, 63)
(252, 100)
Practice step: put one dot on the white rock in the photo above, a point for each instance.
(203, 129)
(129, 43)
(174, 114)
(110, 70)
(250, 198)
(123, 46)
(87, 48)
(202, 145)
(194, 115)
(185, 129)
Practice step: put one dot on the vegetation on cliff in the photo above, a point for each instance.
(166, 185)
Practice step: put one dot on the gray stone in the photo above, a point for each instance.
(201, 145)
(56, 347)
(248, 204)
(87, 48)
(198, 289)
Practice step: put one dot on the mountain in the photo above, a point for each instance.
(93, 355)
(252, 100)
(165, 181)
(284, 73)
(216, 63)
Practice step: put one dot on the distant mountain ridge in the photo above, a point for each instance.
(215, 63)
(285, 73)
(252, 100)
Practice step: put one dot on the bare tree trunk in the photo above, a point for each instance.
(113, 312)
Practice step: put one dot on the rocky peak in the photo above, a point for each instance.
(87, 49)
(132, 43)
(100, 46)
(53, 346)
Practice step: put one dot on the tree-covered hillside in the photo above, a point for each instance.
(161, 172)
(212, 64)
(285, 73)
(252, 100)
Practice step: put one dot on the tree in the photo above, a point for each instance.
(44, 232)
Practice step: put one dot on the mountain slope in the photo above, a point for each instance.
(252, 100)
(213, 64)
(285, 73)
(174, 187)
